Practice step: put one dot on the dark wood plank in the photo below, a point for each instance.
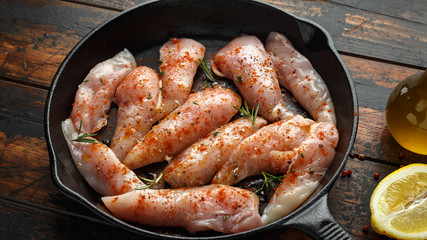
(20, 220)
(354, 30)
(24, 161)
(36, 37)
(114, 5)
(374, 82)
(362, 32)
(412, 10)
(350, 196)
(22, 101)
(376, 143)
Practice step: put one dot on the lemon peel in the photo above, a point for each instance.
(399, 203)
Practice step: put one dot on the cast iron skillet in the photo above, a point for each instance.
(143, 29)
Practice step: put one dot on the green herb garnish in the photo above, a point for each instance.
(205, 68)
(235, 169)
(247, 112)
(239, 79)
(268, 183)
(102, 81)
(161, 73)
(84, 137)
(86, 80)
(149, 182)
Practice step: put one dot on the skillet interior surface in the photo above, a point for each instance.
(143, 29)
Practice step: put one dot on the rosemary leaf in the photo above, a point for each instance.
(205, 68)
(84, 137)
(268, 183)
(252, 113)
(151, 182)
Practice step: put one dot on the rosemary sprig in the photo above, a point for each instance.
(84, 137)
(252, 113)
(151, 182)
(205, 68)
(268, 183)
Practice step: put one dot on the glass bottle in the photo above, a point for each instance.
(406, 113)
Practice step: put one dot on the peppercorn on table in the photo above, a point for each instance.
(381, 42)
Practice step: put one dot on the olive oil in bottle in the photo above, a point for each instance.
(406, 113)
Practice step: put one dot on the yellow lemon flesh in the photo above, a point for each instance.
(399, 203)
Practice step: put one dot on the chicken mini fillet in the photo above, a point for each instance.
(245, 61)
(137, 98)
(296, 73)
(196, 165)
(202, 113)
(261, 151)
(96, 92)
(178, 57)
(213, 207)
(98, 164)
(310, 161)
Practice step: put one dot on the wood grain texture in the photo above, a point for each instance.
(118, 5)
(349, 198)
(374, 82)
(35, 38)
(353, 29)
(412, 10)
(378, 40)
(361, 32)
(22, 221)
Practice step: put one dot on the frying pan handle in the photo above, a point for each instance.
(318, 222)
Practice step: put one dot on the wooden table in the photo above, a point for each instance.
(380, 41)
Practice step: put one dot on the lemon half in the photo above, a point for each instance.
(399, 203)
